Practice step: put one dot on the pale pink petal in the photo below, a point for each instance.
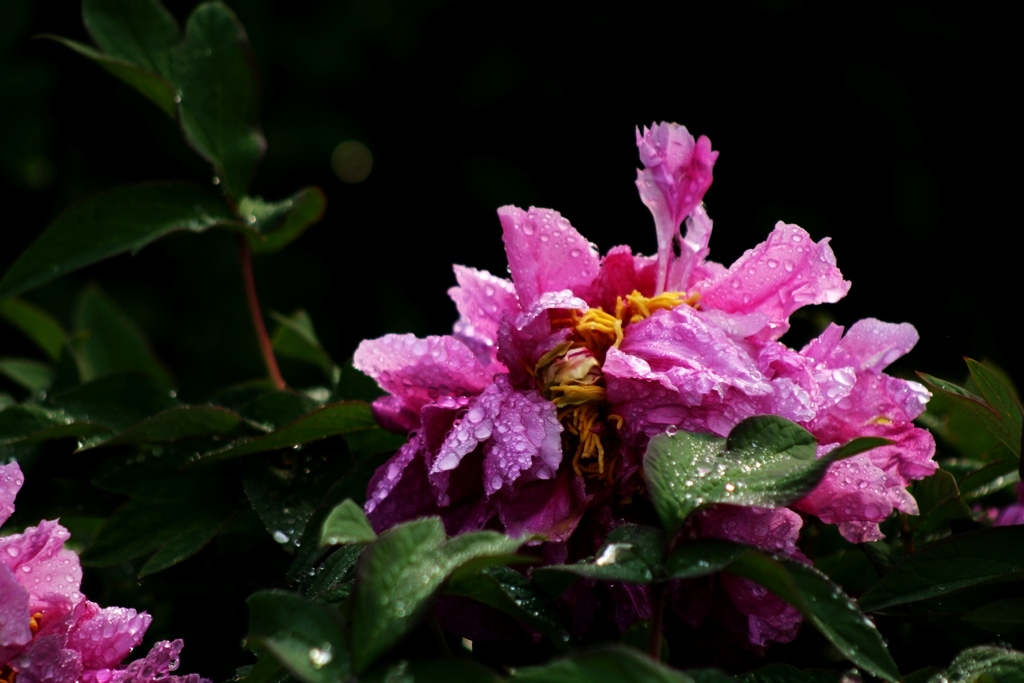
(552, 508)
(418, 371)
(676, 174)
(155, 666)
(11, 481)
(693, 249)
(14, 614)
(780, 275)
(872, 345)
(854, 492)
(105, 639)
(399, 489)
(546, 254)
(38, 559)
(482, 300)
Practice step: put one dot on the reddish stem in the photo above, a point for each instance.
(266, 348)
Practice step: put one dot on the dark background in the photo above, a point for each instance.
(886, 126)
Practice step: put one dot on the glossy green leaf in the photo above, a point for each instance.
(116, 401)
(346, 523)
(632, 553)
(334, 577)
(113, 222)
(41, 327)
(154, 87)
(985, 664)
(274, 409)
(214, 72)
(184, 422)
(111, 342)
(281, 223)
(767, 461)
(402, 571)
(1001, 471)
(938, 501)
(308, 639)
(24, 424)
(331, 420)
(1003, 401)
(508, 591)
(955, 563)
(295, 338)
(1004, 616)
(825, 606)
(608, 664)
(27, 372)
(1004, 427)
(140, 32)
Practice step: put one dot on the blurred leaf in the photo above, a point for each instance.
(632, 553)
(331, 420)
(214, 72)
(702, 557)
(825, 606)
(1003, 616)
(173, 519)
(305, 637)
(141, 32)
(767, 461)
(1006, 427)
(955, 563)
(608, 664)
(155, 88)
(400, 573)
(112, 342)
(1003, 400)
(1001, 471)
(346, 524)
(938, 500)
(113, 222)
(434, 671)
(281, 223)
(985, 664)
(508, 591)
(116, 401)
(24, 424)
(850, 568)
(27, 372)
(175, 424)
(41, 327)
(784, 673)
(295, 338)
(275, 408)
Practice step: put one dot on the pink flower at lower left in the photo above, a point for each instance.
(49, 631)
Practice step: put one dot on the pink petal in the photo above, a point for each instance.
(14, 614)
(156, 666)
(780, 275)
(676, 174)
(872, 345)
(482, 299)
(853, 491)
(769, 618)
(46, 660)
(38, 559)
(622, 274)
(105, 639)
(418, 371)
(774, 530)
(690, 267)
(399, 490)
(11, 480)
(546, 254)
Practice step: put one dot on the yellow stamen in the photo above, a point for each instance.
(573, 395)
(636, 307)
(881, 420)
(34, 620)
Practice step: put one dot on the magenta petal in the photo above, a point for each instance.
(769, 618)
(621, 274)
(418, 371)
(109, 636)
(482, 300)
(872, 345)
(14, 614)
(38, 559)
(11, 480)
(689, 267)
(775, 530)
(546, 254)
(46, 660)
(399, 490)
(552, 508)
(156, 665)
(783, 273)
(853, 490)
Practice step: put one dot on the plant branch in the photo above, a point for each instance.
(266, 348)
(657, 617)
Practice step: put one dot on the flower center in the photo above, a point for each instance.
(570, 376)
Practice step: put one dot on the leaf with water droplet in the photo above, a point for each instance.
(281, 223)
(632, 553)
(984, 664)
(306, 638)
(346, 524)
(508, 591)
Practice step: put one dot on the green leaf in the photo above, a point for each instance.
(41, 327)
(112, 342)
(116, 401)
(1003, 401)
(295, 338)
(402, 571)
(214, 72)
(702, 557)
(308, 639)
(632, 553)
(165, 520)
(825, 606)
(1001, 471)
(608, 664)
(274, 409)
(184, 422)
(766, 462)
(955, 563)
(155, 88)
(346, 524)
(1003, 616)
(113, 222)
(984, 664)
(334, 577)
(784, 673)
(508, 591)
(281, 223)
(141, 32)
(1004, 427)
(25, 424)
(938, 500)
(27, 372)
(331, 420)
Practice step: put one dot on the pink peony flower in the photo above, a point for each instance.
(49, 632)
(542, 402)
